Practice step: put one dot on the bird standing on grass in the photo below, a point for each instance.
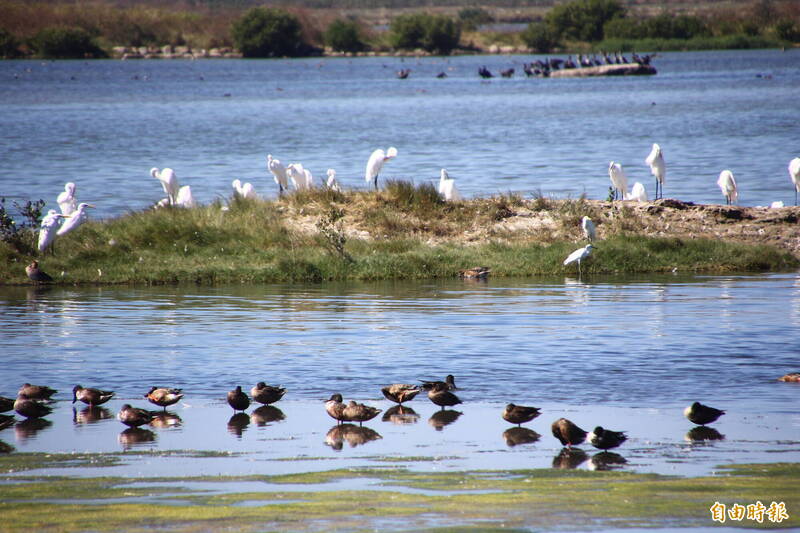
(332, 184)
(245, 191)
(579, 255)
(76, 219)
(375, 163)
(66, 200)
(618, 180)
(728, 186)
(37, 275)
(169, 182)
(638, 193)
(48, 229)
(278, 173)
(589, 230)
(447, 188)
(658, 168)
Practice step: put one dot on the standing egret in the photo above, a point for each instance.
(243, 191)
(76, 219)
(375, 163)
(638, 193)
(589, 230)
(169, 181)
(728, 186)
(579, 255)
(185, 197)
(301, 178)
(794, 173)
(447, 188)
(618, 180)
(66, 200)
(50, 225)
(657, 167)
(332, 184)
(278, 173)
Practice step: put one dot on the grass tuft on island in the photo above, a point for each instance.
(402, 232)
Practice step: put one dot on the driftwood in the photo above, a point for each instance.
(626, 69)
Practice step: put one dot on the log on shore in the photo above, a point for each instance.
(627, 69)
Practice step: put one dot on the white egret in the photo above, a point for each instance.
(301, 178)
(169, 181)
(66, 200)
(618, 180)
(76, 219)
(375, 163)
(332, 184)
(243, 191)
(794, 173)
(657, 167)
(728, 186)
(185, 197)
(447, 188)
(278, 173)
(579, 255)
(589, 230)
(48, 228)
(638, 193)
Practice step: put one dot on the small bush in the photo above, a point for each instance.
(540, 37)
(344, 36)
(472, 17)
(9, 46)
(434, 33)
(268, 32)
(786, 30)
(583, 20)
(65, 43)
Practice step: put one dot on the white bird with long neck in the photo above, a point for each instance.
(169, 182)
(447, 188)
(618, 180)
(728, 186)
(76, 219)
(375, 163)
(638, 193)
(301, 178)
(658, 168)
(332, 184)
(48, 228)
(794, 174)
(66, 200)
(245, 191)
(185, 197)
(589, 230)
(278, 173)
(579, 255)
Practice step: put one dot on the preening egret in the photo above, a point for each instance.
(76, 219)
(794, 173)
(278, 173)
(243, 191)
(169, 181)
(638, 193)
(589, 230)
(618, 180)
(375, 163)
(658, 168)
(48, 228)
(579, 255)
(185, 197)
(332, 184)
(66, 200)
(447, 188)
(728, 186)
(301, 178)
(35, 274)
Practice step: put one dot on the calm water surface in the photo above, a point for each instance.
(104, 124)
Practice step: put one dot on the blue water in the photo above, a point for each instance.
(104, 124)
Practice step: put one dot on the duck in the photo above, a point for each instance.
(6, 421)
(335, 407)
(6, 404)
(358, 412)
(163, 397)
(519, 414)
(449, 383)
(266, 394)
(36, 275)
(479, 272)
(605, 439)
(238, 400)
(30, 408)
(791, 377)
(36, 392)
(700, 414)
(400, 392)
(567, 432)
(440, 395)
(91, 396)
(133, 416)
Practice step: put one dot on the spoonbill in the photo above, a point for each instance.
(48, 228)
(657, 167)
(618, 179)
(579, 255)
(638, 193)
(447, 188)
(243, 191)
(375, 163)
(728, 186)
(66, 200)
(301, 177)
(185, 197)
(794, 173)
(169, 181)
(278, 173)
(332, 184)
(76, 219)
(589, 230)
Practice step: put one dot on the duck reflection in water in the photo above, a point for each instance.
(238, 424)
(519, 435)
(353, 434)
(700, 434)
(28, 428)
(569, 458)
(266, 414)
(90, 415)
(165, 420)
(134, 436)
(606, 461)
(6, 421)
(400, 415)
(443, 418)
(6, 448)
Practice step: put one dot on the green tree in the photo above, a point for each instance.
(9, 46)
(434, 33)
(540, 37)
(583, 20)
(344, 36)
(407, 31)
(472, 17)
(785, 29)
(268, 32)
(65, 43)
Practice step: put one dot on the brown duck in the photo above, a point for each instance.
(519, 414)
(400, 392)
(36, 392)
(133, 416)
(6, 404)
(266, 394)
(335, 407)
(791, 377)
(358, 412)
(163, 397)
(475, 273)
(700, 414)
(30, 408)
(238, 400)
(37, 275)
(605, 439)
(567, 433)
(449, 383)
(91, 396)
(442, 397)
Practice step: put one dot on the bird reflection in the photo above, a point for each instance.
(606, 461)
(569, 458)
(519, 435)
(702, 434)
(28, 428)
(133, 436)
(165, 420)
(443, 418)
(6, 421)
(354, 435)
(90, 415)
(238, 424)
(266, 414)
(400, 415)
(6, 448)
